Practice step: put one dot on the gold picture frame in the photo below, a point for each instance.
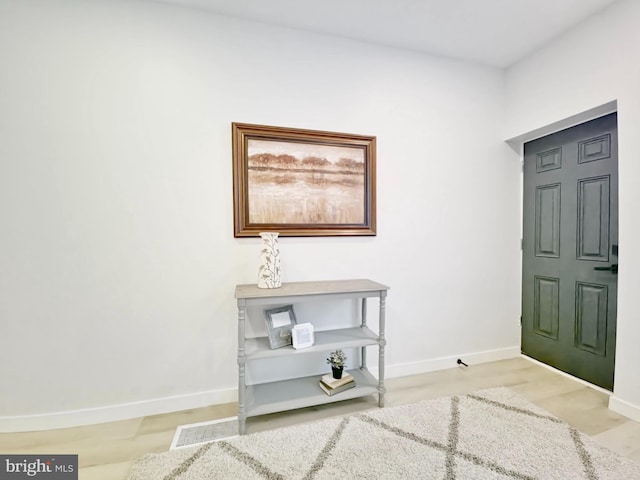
(302, 182)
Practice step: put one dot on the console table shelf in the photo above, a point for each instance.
(330, 339)
(304, 391)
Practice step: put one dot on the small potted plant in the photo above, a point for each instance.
(337, 360)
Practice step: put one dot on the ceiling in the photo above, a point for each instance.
(491, 32)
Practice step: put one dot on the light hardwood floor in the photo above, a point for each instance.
(106, 451)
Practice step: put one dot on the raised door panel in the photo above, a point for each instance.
(592, 303)
(547, 221)
(593, 219)
(546, 303)
(594, 149)
(549, 160)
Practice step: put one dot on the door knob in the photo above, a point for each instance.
(613, 268)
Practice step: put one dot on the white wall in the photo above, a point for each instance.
(117, 253)
(593, 64)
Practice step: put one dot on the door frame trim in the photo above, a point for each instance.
(517, 142)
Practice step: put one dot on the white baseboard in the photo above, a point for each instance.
(625, 408)
(113, 413)
(442, 363)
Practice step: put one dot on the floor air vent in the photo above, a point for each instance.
(203, 432)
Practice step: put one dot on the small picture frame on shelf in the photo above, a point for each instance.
(280, 322)
(302, 335)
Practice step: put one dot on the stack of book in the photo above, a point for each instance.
(331, 386)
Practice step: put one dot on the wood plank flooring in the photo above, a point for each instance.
(106, 451)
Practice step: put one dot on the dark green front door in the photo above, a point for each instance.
(570, 250)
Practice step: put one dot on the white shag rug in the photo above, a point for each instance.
(491, 434)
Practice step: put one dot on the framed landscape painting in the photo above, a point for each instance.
(302, 182)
